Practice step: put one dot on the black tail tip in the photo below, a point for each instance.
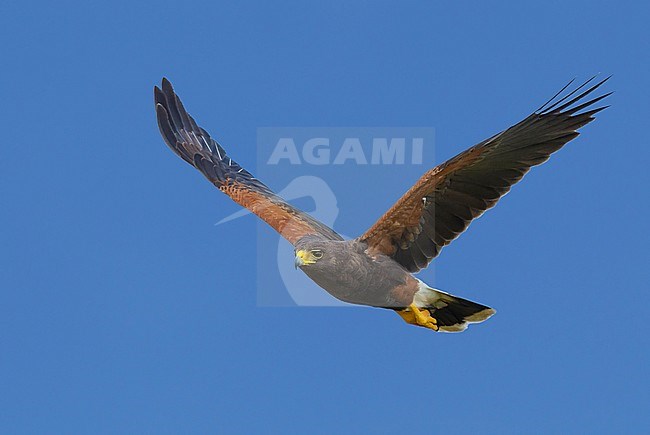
(458, 313)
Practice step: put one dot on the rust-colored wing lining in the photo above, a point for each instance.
(195, 146)
(441, 205)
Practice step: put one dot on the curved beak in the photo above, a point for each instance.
(302, 258)
(297, 261)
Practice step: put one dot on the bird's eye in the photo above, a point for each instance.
(317, 253)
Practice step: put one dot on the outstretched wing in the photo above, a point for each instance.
(441, 205)
(196, 147)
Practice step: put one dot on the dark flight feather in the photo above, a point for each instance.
(194, 145)
(467, 185)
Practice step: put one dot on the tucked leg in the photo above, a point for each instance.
(416, 316)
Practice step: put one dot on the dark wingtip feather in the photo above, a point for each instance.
(598, 109)
(555, 96)
(587, 104)
(158, 96)
(165, 126)
(171, 104)
(561, 104)
(167, 85)
(555, 103)
(170, 137)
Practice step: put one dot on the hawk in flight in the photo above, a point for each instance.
(376, 268)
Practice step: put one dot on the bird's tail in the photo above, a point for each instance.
(451, 313)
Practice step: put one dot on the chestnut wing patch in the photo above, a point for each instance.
(445, 200)
(194, 145)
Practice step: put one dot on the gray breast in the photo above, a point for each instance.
(349, 274)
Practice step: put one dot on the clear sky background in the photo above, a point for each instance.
(123, 309)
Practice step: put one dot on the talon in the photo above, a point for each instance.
(415, 316)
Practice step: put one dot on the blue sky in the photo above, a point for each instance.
(124, 309)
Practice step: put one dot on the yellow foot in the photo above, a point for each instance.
(415, 316)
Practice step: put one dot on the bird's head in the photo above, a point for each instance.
(313, 252)
(307, 257)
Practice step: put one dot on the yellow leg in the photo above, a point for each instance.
(415, 316)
